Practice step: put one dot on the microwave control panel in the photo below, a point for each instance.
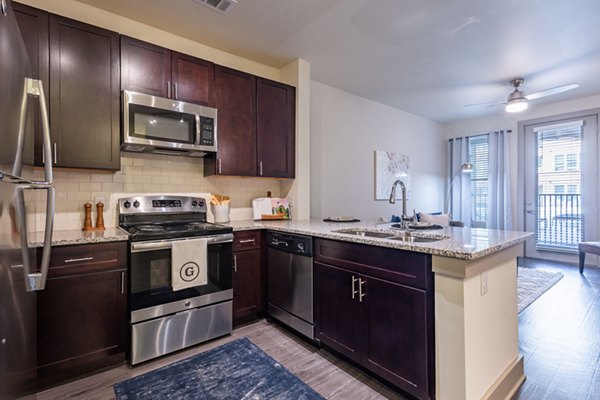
(207, 131)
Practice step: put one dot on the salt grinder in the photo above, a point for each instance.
(87, 221)
(99, 217)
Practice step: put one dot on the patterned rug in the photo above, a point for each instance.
(532, 283)
(236, 370)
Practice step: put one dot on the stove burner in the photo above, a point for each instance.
(195, 225)
(150, 228)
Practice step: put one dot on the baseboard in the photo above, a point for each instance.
(508, 383)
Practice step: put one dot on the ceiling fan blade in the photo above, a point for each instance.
(497, 103)
(552, 91)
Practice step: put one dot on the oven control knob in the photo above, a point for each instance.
(194, 203)
(187, 303)
(127, 204)
(136, 204)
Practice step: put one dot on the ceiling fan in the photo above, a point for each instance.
(517, 100)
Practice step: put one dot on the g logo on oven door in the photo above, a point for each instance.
(189, 271)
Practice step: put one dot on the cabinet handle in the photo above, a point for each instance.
(72, 260)
(247, 241)
(219, 162)
(123, 282)
(175, 90)
(361, 294)
(234, 263)
(260, 169)
(169, 89)
(354, 291)
(55, 152)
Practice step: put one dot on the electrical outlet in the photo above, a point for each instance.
(484, 283)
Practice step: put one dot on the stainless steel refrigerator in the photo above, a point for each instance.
(22, 190)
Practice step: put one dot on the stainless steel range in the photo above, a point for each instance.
(164, 317)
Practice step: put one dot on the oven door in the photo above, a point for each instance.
(150, 291)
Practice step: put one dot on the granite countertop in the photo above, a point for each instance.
(64, 238)
(461, 243)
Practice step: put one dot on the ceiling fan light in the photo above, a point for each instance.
(516, 105)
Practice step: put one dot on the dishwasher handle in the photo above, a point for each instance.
(295, 244)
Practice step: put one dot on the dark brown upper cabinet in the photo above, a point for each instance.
(154, 70)
(235, 94)
(256, 126)
(84, 95)
(33, 24)
(275, 128)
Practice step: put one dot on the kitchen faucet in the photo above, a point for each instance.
(404, 218)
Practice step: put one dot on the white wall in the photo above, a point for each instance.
(504, 120)
(345, 131)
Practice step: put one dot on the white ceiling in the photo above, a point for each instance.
(427, 57)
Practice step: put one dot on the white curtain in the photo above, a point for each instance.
(499, 205)
(460, 186)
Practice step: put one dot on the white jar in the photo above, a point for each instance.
(221, 212)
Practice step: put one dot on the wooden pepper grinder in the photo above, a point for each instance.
(99, 217)
(87, 221)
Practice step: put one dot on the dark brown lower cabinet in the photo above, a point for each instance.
(82, 319)
(372, 316)
(249, 275)
(246, 285)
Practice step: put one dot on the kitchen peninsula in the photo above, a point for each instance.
(475, 301)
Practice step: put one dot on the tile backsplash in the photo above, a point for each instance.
(146, 173)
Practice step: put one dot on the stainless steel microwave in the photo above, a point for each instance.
(165, 126)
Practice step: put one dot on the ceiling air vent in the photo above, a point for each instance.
(222, 6)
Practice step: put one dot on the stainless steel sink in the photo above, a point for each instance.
(407, 237)
(399, 236)
(359, 232)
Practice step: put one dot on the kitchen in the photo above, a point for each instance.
(309, 192)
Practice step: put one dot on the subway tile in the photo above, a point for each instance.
(112, 187)
(101, 178)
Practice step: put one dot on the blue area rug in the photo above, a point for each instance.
(236, 370)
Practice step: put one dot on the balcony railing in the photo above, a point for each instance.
(559, 221)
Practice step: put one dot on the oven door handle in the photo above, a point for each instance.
(137, 247)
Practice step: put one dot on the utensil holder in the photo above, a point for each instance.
(221, 212)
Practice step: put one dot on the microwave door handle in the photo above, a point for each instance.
(198, 128)
(37, 280)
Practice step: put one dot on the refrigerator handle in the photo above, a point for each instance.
(35, 281)
(35, 88)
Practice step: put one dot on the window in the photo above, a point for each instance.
(479, 157)
(572, 189)
(559, 162)
(559, 189)
(572, 162)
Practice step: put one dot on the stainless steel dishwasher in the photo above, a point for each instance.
(290, 281)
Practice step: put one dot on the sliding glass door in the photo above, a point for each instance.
(561, 186)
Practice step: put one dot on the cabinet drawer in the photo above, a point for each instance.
(400, 266)
(69, 260)
(246, 240)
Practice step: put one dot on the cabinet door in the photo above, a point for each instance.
(84, 94)
(246, 284)
(235, 99)
(336, 309)
(82, 323)
(145, 67)
(275, 128)
(193, 79)
(395, 334)
(33, 24)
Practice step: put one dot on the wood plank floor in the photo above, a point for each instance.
(559, 336)
(331, 377)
